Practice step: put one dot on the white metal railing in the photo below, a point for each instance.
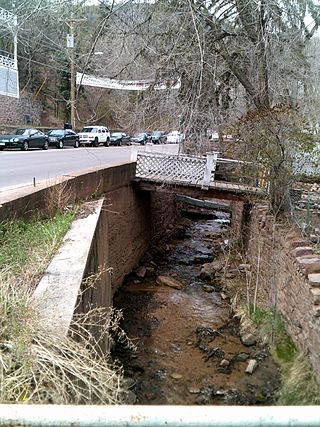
(191, 170)
(158, 416)
(198, 171)
(6, 61)
(8, 17)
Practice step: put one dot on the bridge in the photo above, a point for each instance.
(207, 173)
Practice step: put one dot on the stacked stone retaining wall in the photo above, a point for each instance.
(288, 268)
(19, 111)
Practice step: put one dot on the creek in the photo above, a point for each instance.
(189, 349)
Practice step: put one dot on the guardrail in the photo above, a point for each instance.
(158, 416)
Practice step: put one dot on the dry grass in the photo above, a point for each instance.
(299, 385)
(39, 368)
(58, 197)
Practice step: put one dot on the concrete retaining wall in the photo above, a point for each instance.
(289, 274)
(80, 254)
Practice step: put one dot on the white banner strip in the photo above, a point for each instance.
(87, 80)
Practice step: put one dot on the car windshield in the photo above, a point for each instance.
(57, 132)
(21, 132)
(139, 135)
(116, 134)
(88, 130)
(156, 133)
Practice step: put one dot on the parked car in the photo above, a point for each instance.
(120, 138)
(63, 137)
(140, 138)
(158, 137)
(174, 137)
(24, 139)
(94, 135)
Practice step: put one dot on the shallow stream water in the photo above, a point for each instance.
(188, 345)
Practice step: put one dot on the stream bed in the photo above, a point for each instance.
(188, 346)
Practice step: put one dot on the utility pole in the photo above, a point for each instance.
(71, 47)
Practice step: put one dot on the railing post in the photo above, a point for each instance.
(209, 169)
(133, 154)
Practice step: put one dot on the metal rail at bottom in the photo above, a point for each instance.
(154, 416)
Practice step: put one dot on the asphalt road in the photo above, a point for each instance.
(19, 168)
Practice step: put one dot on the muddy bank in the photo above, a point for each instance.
(188, 346)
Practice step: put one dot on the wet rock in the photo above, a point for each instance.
(176, 347)
(261, 355)
(160, 374)
(205, 331)
(221, 392)
(202, 346)
(176, 376)
(224, 363)
(242, 357)
(141, 272)
(192, 390)
(208, 288)
(197, 283)
(207, 250)
(207, 394)
(252, 366)
(248, 338)
(201, 259)
(169, 281)
(235, 397)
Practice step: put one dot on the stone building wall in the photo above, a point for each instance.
(289, 274)
(17, 112)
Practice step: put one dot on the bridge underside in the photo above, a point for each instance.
(222, 190)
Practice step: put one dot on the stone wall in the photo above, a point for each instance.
(289, 274)
(17, 112)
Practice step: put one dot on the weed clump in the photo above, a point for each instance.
(37, 367)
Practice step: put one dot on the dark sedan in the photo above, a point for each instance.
(120, 138)
(158, 137)
(24, 139)
(63, 137)
(140, 138)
